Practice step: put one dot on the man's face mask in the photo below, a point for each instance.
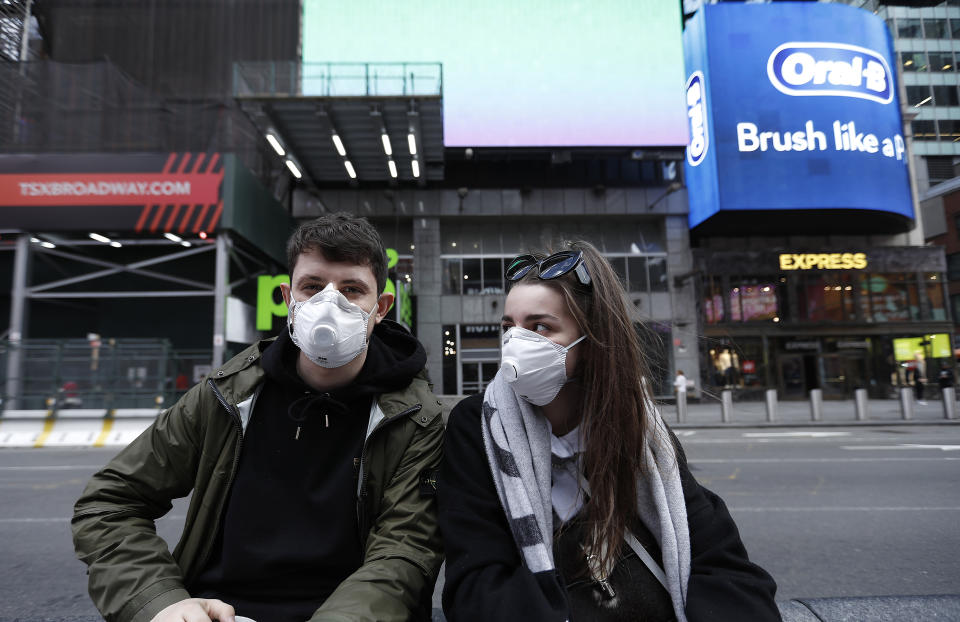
(534, 366)
(329, 329)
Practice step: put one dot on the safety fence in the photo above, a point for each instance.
(57, 376)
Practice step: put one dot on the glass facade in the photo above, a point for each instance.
(473, 254)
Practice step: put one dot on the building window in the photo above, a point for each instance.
(924, 130)
(955, 306)
(918, 95)
(955, 27)
(914, 61)
(935, 28)
(945, 95)
(941, 61)
(712, 299)
(953, 266)
(934, 288)
(892, 297)
(949, 129)
(753, 300)
(827, 298)
(473, 254)
(909, 28)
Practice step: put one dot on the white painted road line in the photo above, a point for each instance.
(853, 508)
(815, 460)
(902, 446)
(793, 434)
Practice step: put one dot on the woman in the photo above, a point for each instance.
(562, 493)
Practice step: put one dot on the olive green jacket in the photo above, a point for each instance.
(195, 445)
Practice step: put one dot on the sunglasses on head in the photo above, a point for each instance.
(551, 267)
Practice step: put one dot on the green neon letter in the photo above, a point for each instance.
(267, 309)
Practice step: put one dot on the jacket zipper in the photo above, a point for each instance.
(361, 502)
(232, 410)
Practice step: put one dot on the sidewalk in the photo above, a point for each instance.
(789, 413)
(834, 412)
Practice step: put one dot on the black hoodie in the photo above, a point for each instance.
(289, 535)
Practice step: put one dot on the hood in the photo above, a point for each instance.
(394, 357)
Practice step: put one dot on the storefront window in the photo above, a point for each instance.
(828, 298)
(893, 297)
(450, 360)
(934, 289)
(712, 300)
(736, 365)
(753, 300)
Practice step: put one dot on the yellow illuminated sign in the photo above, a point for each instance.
(823, 261)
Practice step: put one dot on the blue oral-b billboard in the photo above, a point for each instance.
(793, 112)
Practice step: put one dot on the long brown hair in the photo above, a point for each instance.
(611, 371)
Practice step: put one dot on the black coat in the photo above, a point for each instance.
(486, 578)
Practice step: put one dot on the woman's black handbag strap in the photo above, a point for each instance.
(632, 541)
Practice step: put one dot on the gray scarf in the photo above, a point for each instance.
(517, 443)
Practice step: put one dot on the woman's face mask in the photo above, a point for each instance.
(329, 329)
(534, 366)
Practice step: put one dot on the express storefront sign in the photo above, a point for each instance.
(823, 261)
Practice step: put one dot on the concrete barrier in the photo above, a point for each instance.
(81, 427)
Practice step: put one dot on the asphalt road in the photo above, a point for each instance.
(828, 511)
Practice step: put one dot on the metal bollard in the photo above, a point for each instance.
(906, 403)
(681, 407)
(949, 403)
(816, 404)
(771, 405)
(860, 404)
(726, 405)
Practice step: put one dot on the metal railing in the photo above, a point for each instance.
(273, 78)
(67, 374)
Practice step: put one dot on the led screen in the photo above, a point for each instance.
(907, 348)
(522, 74)
(792, 106)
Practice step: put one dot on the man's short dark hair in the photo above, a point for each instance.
(340, 236)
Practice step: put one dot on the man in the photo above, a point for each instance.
(311, 459)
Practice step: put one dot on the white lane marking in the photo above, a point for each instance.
(903, 446)
(775, 460)
(57, 467)
(793, 434)
(684, 432)
(852, 508)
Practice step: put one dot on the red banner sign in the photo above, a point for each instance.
(108, 189)
(174, 192)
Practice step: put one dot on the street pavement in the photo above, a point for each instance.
(829, 511)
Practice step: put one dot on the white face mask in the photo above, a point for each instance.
(534, 366)
(329, 329)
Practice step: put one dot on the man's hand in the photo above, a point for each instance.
(196, 610)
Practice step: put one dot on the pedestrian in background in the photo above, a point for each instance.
(946, 377)
(563, 494)
(680, 383)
